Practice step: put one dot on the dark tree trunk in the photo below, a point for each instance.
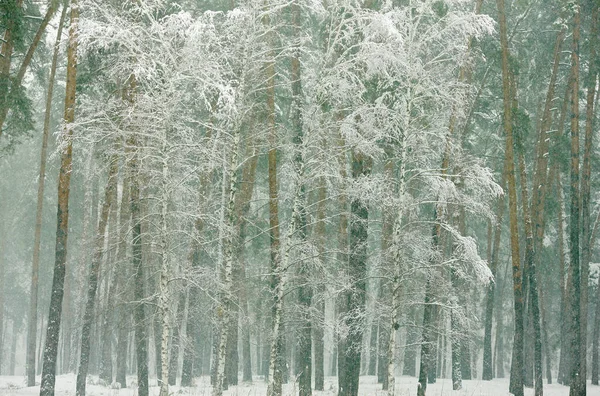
(62, 228)
(355, 298)
(516, 378)
(319, 325)
(33, 295)
(577, 382)
(110, 192)
(487, 372)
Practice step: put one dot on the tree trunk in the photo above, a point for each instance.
(110, 192)
(33, 295)
(487, 372)
(62, 228)
(355, 298)
(124, 313)
(139, 312)
(319, 326)
(339, 364)
(224, 308)
(585, 192)
(577, 381)
(176, 341)
(531, 275)
(164, 297)
(305, 289)
(516, 382)
(276, 282)
(596, 337)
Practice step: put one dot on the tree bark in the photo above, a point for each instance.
(577, 381)
(530, 270)
(355, 298)
(318, 328)
(33, 294)
(305, 289)
(585, 190)
(487, 372)
(225, 299)
(516, 382)
(110, 192)
(62, 228)
(124, 313)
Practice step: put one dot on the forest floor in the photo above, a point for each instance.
(405, 386)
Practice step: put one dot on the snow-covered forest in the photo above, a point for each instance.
(299, 197)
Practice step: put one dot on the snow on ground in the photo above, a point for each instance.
(405, 386)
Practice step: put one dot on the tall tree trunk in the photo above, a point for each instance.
(225, 301)
(33, 294)
(242, 209)
(516, 378)
(305, 289)
(110, 192)
(319, 326)
(392, 241)
(355, 298)
(487, 372)
(577, 381)
(342, 257)
(565, 356)
(191, 352)
(124, 313)
(62, 228)
(530, 270)
(585, 191)
(139, 312)
(277, 275)
(164, 297)
(596, 337)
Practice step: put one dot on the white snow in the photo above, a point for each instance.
(405, 386)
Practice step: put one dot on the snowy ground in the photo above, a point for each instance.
(65, 386)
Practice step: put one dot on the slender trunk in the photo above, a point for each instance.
(242, 209)
(176, 341)
(546, 340)
(224, 308)
(531, 276)
(339, 364)
(124, 313)
(110, 192)
(516, 383)
(305, 290)
(596, 337)
(577, 381)
(585, 192)
(392, 241)
(139, 312)
(191, 352)
(277, 275)
(62, 228)
(164, 298)
(33, 295)
(487, 372)
(355, 298)
(2, 277)
(565, 358)
(319, 326)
